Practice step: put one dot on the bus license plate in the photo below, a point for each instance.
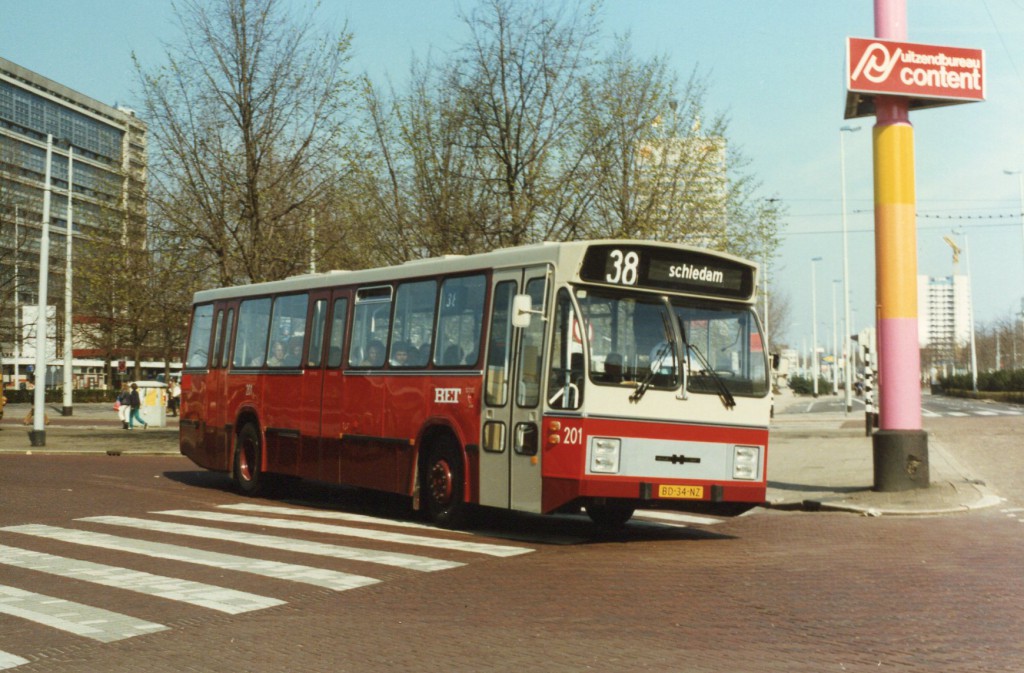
(681, 492)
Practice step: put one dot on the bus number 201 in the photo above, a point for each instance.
(572, 436)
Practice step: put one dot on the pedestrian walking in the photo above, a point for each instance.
(175, 397)
(135, 402)
(123, 405)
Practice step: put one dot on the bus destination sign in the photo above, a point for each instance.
(667, 269)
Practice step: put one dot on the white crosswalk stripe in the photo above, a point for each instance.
(205, 595)
(8, 660)
(398, 560)
(105, 625)
(286, 571)
(82, 620)
(349, 531)
(323, 514)
(677, 518)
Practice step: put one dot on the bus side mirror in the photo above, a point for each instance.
(522, 309)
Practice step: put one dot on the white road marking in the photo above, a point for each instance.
(324, 514)
(8, 660)
(677, 517)
(196, 593)
(82, 620)
(365, 533)
(286, 571)
(398, 560)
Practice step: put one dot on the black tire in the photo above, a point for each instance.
(610, 516)
(442, 488)
(247, 474)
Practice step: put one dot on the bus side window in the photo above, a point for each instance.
(288, 327)
(315, 330)
(457, 342)
(413, 326)
(531, 350)
(251, 335)
(565, 387)
(218, 339)
(338, 321)
(229, 323)
(497, 371)
(370, 326)
(199, 338)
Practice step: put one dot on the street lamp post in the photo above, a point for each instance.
(68, 407)
(847, 370)
(37, 436)
(835, 342)
(814, 323)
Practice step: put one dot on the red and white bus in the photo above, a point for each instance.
(537, 378)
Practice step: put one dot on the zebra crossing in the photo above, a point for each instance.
(231, 524)
(939, 413)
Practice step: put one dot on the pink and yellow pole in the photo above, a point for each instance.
(900, 446)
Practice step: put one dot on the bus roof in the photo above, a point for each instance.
(537, 253)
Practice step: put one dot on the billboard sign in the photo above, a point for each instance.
(942, 75)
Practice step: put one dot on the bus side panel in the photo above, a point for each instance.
(190, 429)
(202, 432)
(365, 459)
(281, 402)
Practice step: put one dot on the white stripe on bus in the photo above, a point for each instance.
(398, 560)
(365, 533)
(81, 620)
(320, 577)
(196, 593)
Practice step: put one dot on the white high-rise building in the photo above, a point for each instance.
(944, 313)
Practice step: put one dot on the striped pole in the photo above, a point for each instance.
(900, 445)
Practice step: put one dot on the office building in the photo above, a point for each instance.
(107, 146)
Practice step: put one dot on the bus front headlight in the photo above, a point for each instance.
(744, 462)
(604, 455)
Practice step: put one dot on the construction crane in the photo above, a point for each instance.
(956, 252)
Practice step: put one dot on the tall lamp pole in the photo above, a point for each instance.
(815, 368)
(37, 436)
(68, 355)
(847, 369)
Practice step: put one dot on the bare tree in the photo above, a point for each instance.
(518, 83)
(246, 121)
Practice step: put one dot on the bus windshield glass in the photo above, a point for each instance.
(631, 343)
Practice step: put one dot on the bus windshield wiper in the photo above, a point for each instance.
(670, 347)
(723, 390)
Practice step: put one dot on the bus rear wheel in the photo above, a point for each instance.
(246, 473)
(610, 516)
(443, 486)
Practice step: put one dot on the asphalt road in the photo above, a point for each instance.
(769, 591)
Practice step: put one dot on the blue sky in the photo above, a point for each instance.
(776, 69)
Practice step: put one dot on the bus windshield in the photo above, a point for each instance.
(631, 342)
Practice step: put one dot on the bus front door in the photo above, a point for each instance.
(510, 460)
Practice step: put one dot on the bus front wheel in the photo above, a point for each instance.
(246, 473)
(443, 486)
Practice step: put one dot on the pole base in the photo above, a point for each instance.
(37, 437)
(901, 460)
(67, 411)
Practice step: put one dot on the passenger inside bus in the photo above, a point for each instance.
(400, 354)
(374, 354)
(276, 358)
